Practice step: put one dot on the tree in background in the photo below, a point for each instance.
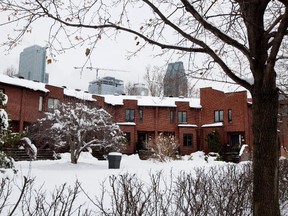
(130, 89)
(78, 127)
(10, 71)
(244, 41)
(154, 79)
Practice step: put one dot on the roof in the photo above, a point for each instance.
(29, 84)
(79, 94)
(216, 124)
(151, 101)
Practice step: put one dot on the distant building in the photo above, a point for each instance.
(106, 85)
(32, 65)
(175, 80)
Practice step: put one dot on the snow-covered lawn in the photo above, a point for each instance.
(92, 174)
(90, 171)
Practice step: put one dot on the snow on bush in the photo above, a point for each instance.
(164, 147)
(3, 114)
(29, 147)
(76, 127)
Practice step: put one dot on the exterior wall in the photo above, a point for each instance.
(22, 106)
(241, 123)
(156, 120)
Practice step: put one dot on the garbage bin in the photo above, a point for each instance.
(114, 159)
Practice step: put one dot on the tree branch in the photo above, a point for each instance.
(225, 38)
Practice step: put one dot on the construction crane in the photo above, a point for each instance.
(97, 70)
(99, 81)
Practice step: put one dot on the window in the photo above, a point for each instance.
(52, 103)
(171, 116)
(141, 115)
(182, 117)
(187, 139)
(218, 115)
(230, 115)
(128, 138)
(129, 115)
(2, 90)
(40, 103)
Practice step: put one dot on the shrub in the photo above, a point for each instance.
(214, 141)
(164, 147)
(6, 162)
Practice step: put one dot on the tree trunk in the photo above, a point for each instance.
(73, 155)
(265, 152)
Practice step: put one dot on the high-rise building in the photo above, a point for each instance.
(106, 85)
(175, 80)
(32, 64)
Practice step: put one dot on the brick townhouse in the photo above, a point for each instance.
(28, 100)
(189, 119)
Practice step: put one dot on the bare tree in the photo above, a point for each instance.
(10, 71)
(244, 39)
(154, 79)
(130, 88)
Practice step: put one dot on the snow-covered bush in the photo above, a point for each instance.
(164, 147)
(30, 148)
(3, 115)
(5, 161)
(77, 127)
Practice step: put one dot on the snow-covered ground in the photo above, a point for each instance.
(90, 172)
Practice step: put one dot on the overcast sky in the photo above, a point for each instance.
(108, 54)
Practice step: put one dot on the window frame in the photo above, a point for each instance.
(230, 115)
(130, 113)
(127, 136)
(181, 117)
(218, 115)
(140, 115)
(55, 103)
(188, 139)
(172, 116)
(40, 108)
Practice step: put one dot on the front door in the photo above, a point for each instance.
(236, 141)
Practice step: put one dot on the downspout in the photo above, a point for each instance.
(156, 121)
(21, 122)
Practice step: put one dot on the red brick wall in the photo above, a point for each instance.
(23, 105)
(212, 100)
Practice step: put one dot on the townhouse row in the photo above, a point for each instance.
(189, 119)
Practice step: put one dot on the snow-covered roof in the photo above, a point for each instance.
(79, 94)
(217, 124)
(151, 101)
(36, 86)
(126, 123)
(187, 125)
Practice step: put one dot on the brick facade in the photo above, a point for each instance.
(197, 116)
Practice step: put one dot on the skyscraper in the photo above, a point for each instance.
(175, 80)
(32, 64)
